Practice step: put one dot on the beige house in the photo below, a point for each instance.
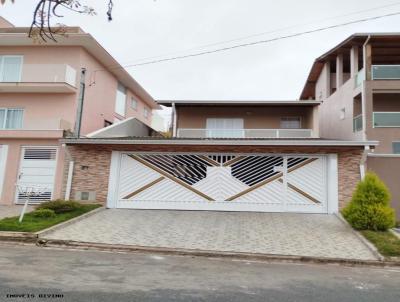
(358, 84)
(53, 91)
(264, 156)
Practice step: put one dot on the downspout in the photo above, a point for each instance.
(363, 161)
(174, 119)
(79, 110)
(363, 93)
(70, 173)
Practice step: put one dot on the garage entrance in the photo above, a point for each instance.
(223, 182)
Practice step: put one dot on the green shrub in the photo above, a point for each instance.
(369, 207)
(44, 213)
(60, 206)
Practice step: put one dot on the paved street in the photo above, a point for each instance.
(103, 276)
(269, 233)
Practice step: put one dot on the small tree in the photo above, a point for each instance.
(369, 207)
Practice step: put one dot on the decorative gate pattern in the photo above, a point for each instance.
(223, 182)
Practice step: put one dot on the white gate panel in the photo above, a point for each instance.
(37, 170)
(226, 182)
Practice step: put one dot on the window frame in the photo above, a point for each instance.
(393, 147)
(134, 100)
(146, 112)
(2, 67)
(291, 117)
(3, 127)
(116, 99)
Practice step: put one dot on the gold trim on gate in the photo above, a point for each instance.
(272, 178)
(154, 182)
(165, 174)
(306, 195)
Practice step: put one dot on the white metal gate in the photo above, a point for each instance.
(225, 182)
(37, 170)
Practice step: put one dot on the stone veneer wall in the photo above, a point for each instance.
(92, 163)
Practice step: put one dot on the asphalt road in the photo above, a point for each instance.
(73, 275)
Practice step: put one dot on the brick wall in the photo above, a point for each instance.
(92, 163)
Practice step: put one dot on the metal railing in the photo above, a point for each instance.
(42, 73)
(244, 133)
(386, 119)
(358, 123)
(385, 72)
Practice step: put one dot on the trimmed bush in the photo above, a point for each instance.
(44, 213)
(369, 207)
(60, 206)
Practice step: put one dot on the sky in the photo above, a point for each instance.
(163, 28)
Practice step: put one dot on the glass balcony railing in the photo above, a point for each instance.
(357, 123)
(245, 133)
(385, 72)
(360, 77)
(386, 119)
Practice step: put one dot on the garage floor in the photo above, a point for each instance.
(269, 233)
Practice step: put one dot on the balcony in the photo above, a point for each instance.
(385, 72)
(386, 119)
(245, 133)
(39, 78)
(44, 128)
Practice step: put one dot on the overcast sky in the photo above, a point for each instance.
(278, 70)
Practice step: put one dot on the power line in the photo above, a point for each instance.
(258, 42)
(266, 32)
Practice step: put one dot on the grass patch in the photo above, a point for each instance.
(35, 224)
(386, 243)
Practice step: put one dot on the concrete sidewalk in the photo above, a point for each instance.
(309, 235)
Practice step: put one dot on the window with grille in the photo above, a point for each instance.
(40, 154)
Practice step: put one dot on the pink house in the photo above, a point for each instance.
(47, 92)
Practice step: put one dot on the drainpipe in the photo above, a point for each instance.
(363, 92)
(70, 173)
(363, 161)
(79, 109)
(174, 119)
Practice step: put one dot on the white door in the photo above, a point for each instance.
(37, 171)
(225, 182)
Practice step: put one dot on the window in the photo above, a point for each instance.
(396, 147)
(225, 127)
(133, 104)
(120, 101)
(146, 112)
(11, 118)
(10, 68)
(342, 113)
(293, 122)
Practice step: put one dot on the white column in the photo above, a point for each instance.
(354, 61)
(339, 71)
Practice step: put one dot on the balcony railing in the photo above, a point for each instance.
(358, 123)
(360, 77)
(245, 133)
(39, 74)
(386, 119)
(385, 72)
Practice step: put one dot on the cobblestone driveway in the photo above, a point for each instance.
(270, 233)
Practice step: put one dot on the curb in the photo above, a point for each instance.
(18, 236)
(68, 222)
(395, 233)
(212, 254)
(368, 244)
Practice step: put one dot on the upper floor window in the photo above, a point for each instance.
(396, 147)
(146, 112)
(11, 118)
(120, 102)
(291, 122)
(225, 127)
(134, 103)
(10, 68)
